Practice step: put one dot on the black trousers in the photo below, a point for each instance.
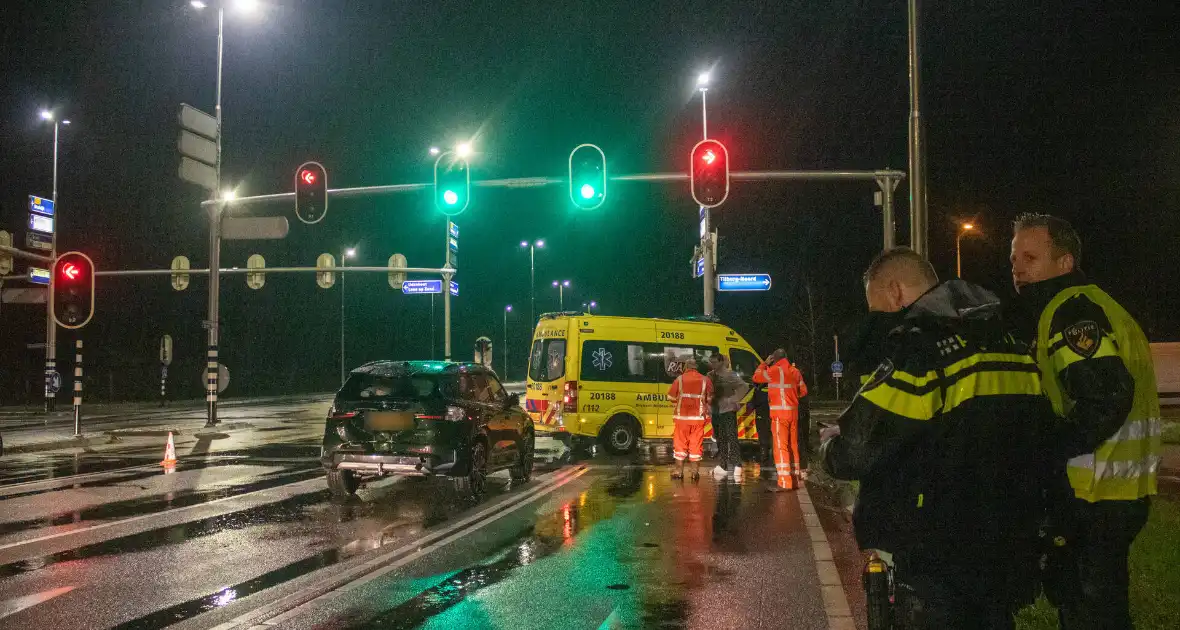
(804, 431)
(725, 431)
(765, 438)
(1087, 576)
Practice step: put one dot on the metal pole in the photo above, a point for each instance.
(959, 255)
(505, 350)
(77, 388)
(432, 346)
(561, 297)
(532, 285)
(888, 225)
(707, 243)
(917, 180)
(343, 375)
(50, 325)
(215, 211)
(447, 316)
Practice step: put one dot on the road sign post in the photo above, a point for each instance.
(743, 282)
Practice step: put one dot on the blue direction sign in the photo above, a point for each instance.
(743, 282)
(38, 275)
(837, 369)
(453, 243)
(454, 288)
(700, 268)
(411, 287)
(454, 229)
(41, 205)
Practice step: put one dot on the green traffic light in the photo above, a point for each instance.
(450, 197)
(587, 191)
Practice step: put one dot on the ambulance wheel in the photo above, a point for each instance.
(620, 435)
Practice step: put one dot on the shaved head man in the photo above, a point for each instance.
(896, 279)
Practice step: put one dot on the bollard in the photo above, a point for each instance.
(78, 388)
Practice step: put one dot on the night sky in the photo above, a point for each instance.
(1070, 108)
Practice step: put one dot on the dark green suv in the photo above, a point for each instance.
(425, 418)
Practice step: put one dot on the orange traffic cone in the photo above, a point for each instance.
(169, 453)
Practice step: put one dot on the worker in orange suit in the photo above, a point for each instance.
(785, 387)
(690, 395)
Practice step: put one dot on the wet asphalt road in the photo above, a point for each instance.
(243, 534)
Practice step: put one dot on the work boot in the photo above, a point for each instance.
(678, 472)
(695, 468)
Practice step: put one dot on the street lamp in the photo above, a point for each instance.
(434, 151)
(463, 150)
(216, 209)
(532, 247)
(591, 306)
(963, 229)
(561, 293)
(50, 326)
(504, 352)
(345, 255)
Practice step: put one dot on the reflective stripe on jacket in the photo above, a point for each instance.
(1125, 466)
(690, 395)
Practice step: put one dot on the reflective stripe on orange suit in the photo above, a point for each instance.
(785, 387)
(690, 394)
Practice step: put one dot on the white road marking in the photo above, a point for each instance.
(17, 604)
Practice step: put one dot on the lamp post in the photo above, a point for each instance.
(344, 256)
(216, 211)
(504, 352)
(532, 247)
(50, 325)
(561, 285)
(963, 229)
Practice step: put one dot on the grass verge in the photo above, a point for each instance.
(1155, 580)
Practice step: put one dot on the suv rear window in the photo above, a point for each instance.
(547, 360)
(362, 387)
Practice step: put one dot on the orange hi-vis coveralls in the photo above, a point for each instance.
(690, 394)
(785, 387)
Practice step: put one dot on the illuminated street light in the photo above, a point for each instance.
(963, 229)
(46, 114)
(703, 80)
(197, 4)
(229, 195)
(463, 150)
(435, 150)
(533, 247)
(561, 286)
(246, 6)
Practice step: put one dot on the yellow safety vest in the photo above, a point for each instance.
(1125, 467)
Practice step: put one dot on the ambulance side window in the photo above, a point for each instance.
(613, 361)
(665, 363)
(744, 363)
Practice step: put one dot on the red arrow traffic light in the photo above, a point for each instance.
(73, 290)
(709, 173)
(311, 192)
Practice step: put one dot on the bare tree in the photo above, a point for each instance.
(807, 315)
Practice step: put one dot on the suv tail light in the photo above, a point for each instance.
(569, 401)
(342, 415)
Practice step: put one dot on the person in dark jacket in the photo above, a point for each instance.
(761, 402)
(1098, 373)
(946, 438)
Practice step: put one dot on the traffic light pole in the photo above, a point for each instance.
(707, 243)
(448, 273)
(918, 211)
(215, 212)
(50, 325)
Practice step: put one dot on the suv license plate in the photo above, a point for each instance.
(389, 420)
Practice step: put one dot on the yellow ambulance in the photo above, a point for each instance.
(596, 377)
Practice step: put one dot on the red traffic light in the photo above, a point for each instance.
(311, 192)
(73, 290)
(709, 175)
